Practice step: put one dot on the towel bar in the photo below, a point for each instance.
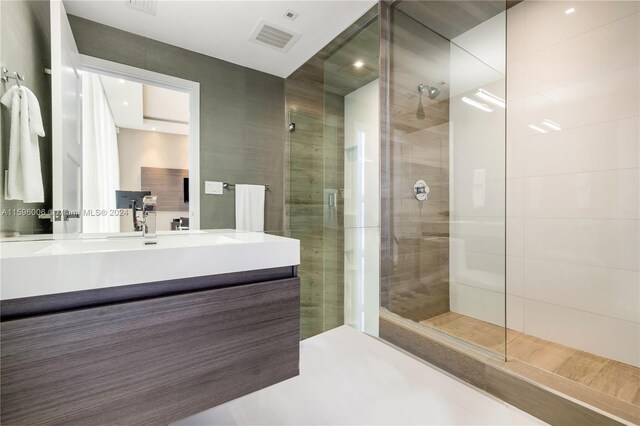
(230, 186)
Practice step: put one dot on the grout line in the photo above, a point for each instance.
(524, 256)
(524, 297)
(569, 173)
(562, 86)
(576, 35)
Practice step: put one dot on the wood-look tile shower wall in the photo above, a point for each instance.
(415, 270)
(316, 162)
(315, 95)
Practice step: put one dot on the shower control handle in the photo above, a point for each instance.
(421, 190)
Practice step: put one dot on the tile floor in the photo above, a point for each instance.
(611, 377)
(349, 378)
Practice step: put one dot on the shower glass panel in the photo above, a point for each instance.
(352, 88)
(333, 185)
(445, 235)
(573, 258)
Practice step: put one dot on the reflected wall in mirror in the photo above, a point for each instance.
(135, 137)
(25, 48)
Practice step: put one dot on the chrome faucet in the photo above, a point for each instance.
(149, 219)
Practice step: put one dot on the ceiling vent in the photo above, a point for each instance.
(269, 34)
(146, 6)
(291, 14)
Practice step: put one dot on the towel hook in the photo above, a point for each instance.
(16, 76)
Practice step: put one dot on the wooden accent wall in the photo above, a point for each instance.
(168, 185)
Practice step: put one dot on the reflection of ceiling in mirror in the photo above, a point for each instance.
(146, 107)
(222, 29)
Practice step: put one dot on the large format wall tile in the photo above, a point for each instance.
(598, 334)
(596, 242)
(576, 188)
(597, 147)
(605, 291)
(592, 195)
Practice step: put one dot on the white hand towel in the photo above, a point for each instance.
(250, 207)
(25, 174)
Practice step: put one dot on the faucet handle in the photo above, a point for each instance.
(149, 218)
(149, 203)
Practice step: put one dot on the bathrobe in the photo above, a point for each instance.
(25, 174)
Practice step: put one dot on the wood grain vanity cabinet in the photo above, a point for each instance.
(166, 351)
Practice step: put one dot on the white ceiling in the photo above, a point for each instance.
(222, 28)
(144, 107)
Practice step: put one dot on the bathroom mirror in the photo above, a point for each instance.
(83, 60)
(109, 132)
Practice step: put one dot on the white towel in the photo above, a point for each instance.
(250, 207)
(25, 174)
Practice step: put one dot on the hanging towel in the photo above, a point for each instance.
(250, 207)
(25, 174)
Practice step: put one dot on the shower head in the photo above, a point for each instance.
(432, 92)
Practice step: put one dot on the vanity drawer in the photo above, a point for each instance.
(150, 361)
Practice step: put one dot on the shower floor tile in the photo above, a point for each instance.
(349, 378)
(581, 367)
(621, 381)
(481, 333)
(541, 353)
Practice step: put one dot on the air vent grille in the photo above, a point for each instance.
(146, 6)
(274, 36)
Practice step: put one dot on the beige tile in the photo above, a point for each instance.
(581, 367)
(474, 331)
(538, 352)
(576, 390)
(619, 380)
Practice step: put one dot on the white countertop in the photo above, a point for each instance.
(81, 262)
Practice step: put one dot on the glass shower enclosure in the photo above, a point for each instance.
(510, 186)
(333, 182)
(444, 263)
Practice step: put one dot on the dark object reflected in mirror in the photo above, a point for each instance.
(180, 224)
(131, 200)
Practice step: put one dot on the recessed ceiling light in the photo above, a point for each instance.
(490, 97)
(358, 64)
(476, 104)
(570, 11)
(153, 128)
(121, 80)
(125, 103)
(537, 129)
(550, 124)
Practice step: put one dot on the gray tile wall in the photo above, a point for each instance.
(26, 48)
(242, 116)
